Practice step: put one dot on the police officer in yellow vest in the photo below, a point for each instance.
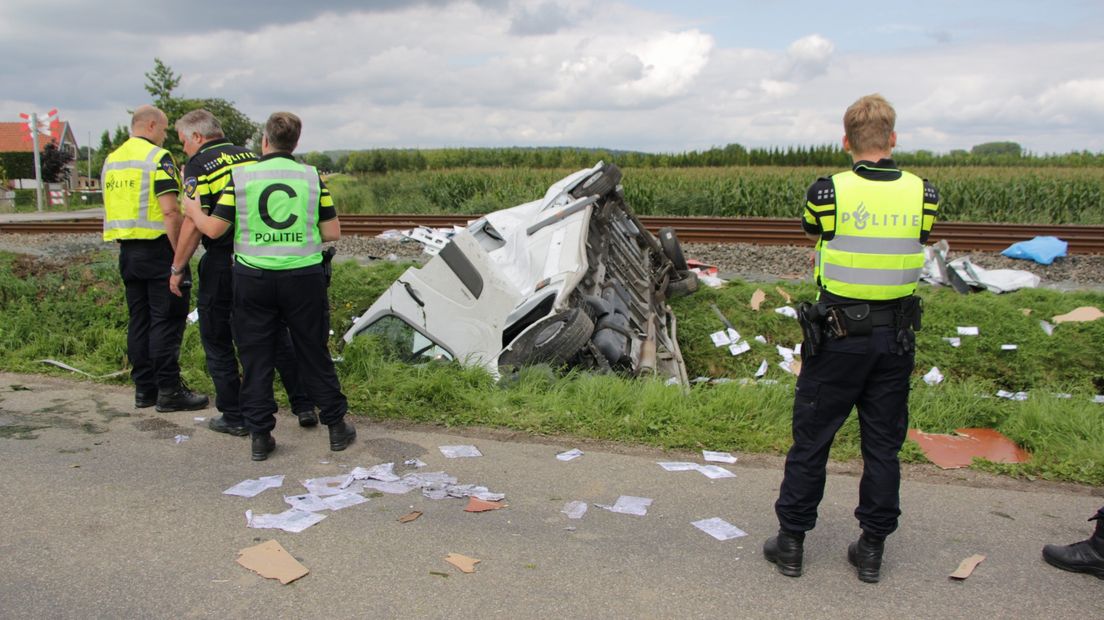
(141, 213)
(282, 213)
(870, 224)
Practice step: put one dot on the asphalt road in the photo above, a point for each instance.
(104, 514)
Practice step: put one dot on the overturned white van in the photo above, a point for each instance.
(571, 280)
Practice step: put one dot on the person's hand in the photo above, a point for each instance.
(191, 208)
(174, 284)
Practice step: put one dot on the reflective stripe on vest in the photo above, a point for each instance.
(876, 252)
(148, 222)
(252, 181)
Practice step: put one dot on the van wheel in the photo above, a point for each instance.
(600, 183)
(684, 284)
(672, 248)
(554, 340)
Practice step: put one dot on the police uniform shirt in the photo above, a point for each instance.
(166, 178)
(207, 173)
(819, 216)
(225, 208)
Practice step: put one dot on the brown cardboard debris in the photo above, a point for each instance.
(960, 449)
(271, 561)
(1026, 311)
(463, 562)
(784, 294)
(967, 567)
(407, 518)
(757, 299)
(477, 505)
(1079, 315)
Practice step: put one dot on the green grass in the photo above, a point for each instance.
(77, 314)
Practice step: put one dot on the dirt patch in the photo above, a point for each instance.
(161, 429)
(19, 431)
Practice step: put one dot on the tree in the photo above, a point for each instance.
(1012, 149)
(55, 164)
(161, 83)
(321, 161)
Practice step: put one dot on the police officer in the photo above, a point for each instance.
(141, 213)
(870, 224)
(211, 158)
(281, 213)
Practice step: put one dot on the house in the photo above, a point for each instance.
(14, 139)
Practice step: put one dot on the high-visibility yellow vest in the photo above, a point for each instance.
(131, 209)
(875, 253)
(276, 207)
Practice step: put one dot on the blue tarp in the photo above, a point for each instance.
(1042, 250)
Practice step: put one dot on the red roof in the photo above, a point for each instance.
(11, 139)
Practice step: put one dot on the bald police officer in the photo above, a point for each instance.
(870, 224)
(141, 213)
(281, 213)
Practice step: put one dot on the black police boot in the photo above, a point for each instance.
(307, 418)
(1086, 556)
(865, 554)
(786, 551)
(341, 435)
(145, 399)
(263, 445)
(219, 425)
(180, 399)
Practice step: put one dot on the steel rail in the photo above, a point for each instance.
(961, 236)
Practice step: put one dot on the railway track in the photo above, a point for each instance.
(961, 236)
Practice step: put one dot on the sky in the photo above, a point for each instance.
(635, 74)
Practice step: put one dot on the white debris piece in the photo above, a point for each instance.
(193, 316)
(574, 510)
(1099, 399)
(787, 311)
(786, 353)
(954, 342)
(934, 377)
(199, 418)
(1062, 395)
(392, 488)
(720, 339)
(573, 453)
(384, 472)
(1008, 347)
(678, 466)
(253, 487)
(291, 520)
(970, 330)
(739, 347)
(629, 505)
(761, 339)
(719, 528)
(718, 457)
(415, 463)
(1012, 395)
(762, 369)
(714, 472)
(457, 452)
(797, 349)
(331, 485)
(308, 502)
(181, 438)
(344, 500)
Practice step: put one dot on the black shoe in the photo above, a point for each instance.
(219, 425)
(341, 435)
(866, 555)
(145, 399)
(786, 551)
(180, 399)
(307, 418)
(263, 445)
(1080, 557)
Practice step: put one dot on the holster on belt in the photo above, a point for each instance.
(327, 262)
(811, 318)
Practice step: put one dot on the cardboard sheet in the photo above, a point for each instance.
(784, 294)
(477, 505)
(960, 449)
(966, 567)
(463, 562)
(757, 299)
(407, 518)
(271, 561)
(1078, 315)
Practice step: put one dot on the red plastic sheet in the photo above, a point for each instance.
(960, 449)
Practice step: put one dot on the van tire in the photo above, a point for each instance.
(554, 340)
(684, 284)
(668, 240)
(600, 183)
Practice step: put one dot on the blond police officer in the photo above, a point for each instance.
(141, 213)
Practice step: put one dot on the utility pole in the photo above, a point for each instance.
(37, 158)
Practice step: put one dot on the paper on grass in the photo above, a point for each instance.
(253, 487)
(954, 342)
(760, 339)
(787, 311)
(1048, 329)
(762, 369)
(933, 377)
(720, 339)
(718, 457)
(739, 347)
(1012, 395)
(291, 520)
(629, 505)
(1008, 347)
(1099, 399)
(573, 453)
(719, 528)
(456, 452)
(968, 331)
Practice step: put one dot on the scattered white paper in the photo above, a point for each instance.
(739, 347)
(787, 366)
(934, 377)
(415, 463)
(1062, 395)
(714, 472)
(199, 418)
(720, 339)
(733, 335)
(193, 316)
(787, 311)
(968, 331)
(291, 520)
(1099, 399)
(719, 528)
(331, 485)
(629, 505)
(678, 466)
(456, 452)
(954, 342)
(1047, 328)
(786, 352)
(343, 500)
(383, 471)
(308, 502)
(181, 438)
(574, 510)
(573, 453)
(718, 457)
(1008, 347)
(762, 369)
(761, 339)
(253, 487)
(392, 488)
(1012, 395)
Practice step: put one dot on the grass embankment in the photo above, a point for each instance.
(979, 194)
(77, 315)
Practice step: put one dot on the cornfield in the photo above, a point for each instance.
(981, 194)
